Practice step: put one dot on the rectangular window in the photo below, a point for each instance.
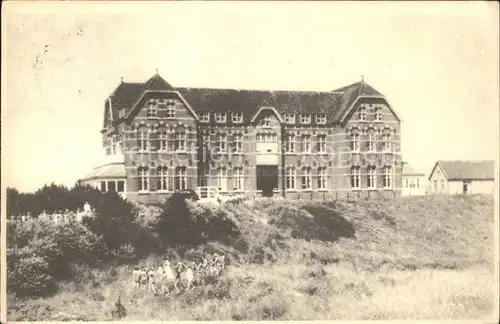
(143, 140)
(152, 110)
(238, 143)
(111, 186)
(371, 178)
(162, 179)
(238, 179)
(355, 177)
(290, 143)
(362, 114)
(378, 114)
(220, 117)
(180, 178)
(266, 121)
(180, 141)
(290, 178)
(121, 186)
(406, 182)
(266, 143)
(355, 142)
(170, 111)
(321, 119)
(305, 118)
(163, 141)
(103, 186)
(386, 142)
(371, 142)
(418, 183)
(322, 143)
(322, 178)
(306, 178)
(222, 142)
(222, 179)
(143, 179)
(387, 177)
(306, 143)
(237, 117)
(290, 118)
(204, 116)
(121, 113)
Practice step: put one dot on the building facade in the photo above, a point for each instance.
(413, 183)
(462, 177)
(159, 139)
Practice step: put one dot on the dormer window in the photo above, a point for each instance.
(305, 118)
(220, 117)
(321, 119)
(121, 113)
(237, 117)
(205, 116)
(362, 114)
(290, 118)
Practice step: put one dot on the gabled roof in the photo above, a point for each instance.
(333, 103)
(466, 170)
(409, 171)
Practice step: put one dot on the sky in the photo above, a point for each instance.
(436, 63)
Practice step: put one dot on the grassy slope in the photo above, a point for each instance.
(415, 258)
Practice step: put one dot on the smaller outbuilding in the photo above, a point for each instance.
(462, 177)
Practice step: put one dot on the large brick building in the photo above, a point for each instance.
(295, 144)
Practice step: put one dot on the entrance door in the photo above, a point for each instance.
(267, 179)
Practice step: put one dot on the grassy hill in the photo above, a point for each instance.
(427, 257)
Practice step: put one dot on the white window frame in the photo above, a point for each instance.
(237, 117)
(222, 179)
(371, 177)
(290, 143)
(266, 121)
(222, 142)
(305, 118)
(386, 142)
(238, 143)
(378, 114)
(170, 109)
(238, 179)
(163, 138)
(163, 179)
(180, 178)
(121, 113)
(322, 178)
(355, 177)
(362, 114)
(289, 118)
(306, 143)
(143, 175)
(152, 111)
(321, 118)
(306, 178)
(180, 141)
(387, 177)
(204, 116)
(220, 117)
(290, 178)
(143, 136)
(371, 142)
(321, 140)
(354, 142)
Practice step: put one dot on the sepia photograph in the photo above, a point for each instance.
(247, 161)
